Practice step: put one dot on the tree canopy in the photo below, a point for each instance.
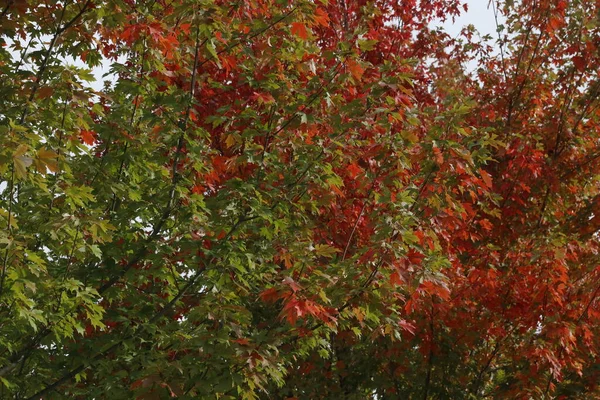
(298, 199)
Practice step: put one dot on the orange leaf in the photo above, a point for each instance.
(439, 157)
(487, 178)
(219, 37)
(299, 29)
(436, 288)
(395, 278)
(321, 17)
(355, 69)
(87, 137)
(353, 170)
(553, 24)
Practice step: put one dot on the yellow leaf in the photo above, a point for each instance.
(326, 250)
(48, 157)
(410, 136)
(230, 141)
(21, 161)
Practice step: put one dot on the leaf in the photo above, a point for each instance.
(230, 141)
(44, 92)
(292, 284)
(270, 295)
(409, 135)
(367, 45)
(395, 278)
(49, 159)
(487, 178)
(212, 49)
(356, 70)
(7, 383)
(324, 250)
(299, 29)
(21, 161)
(354, 170)
(88, 137)
(579, 63)
(321, 17)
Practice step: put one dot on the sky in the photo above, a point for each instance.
(478, 14)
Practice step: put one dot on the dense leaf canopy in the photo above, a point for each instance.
(298, 199)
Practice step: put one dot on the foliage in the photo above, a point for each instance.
(298, 199)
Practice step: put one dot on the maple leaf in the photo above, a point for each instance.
(321, 17)
(270, 295)
(292, 284)
(579, 63)
(354, 170)
(219, 37)
(299, 29)
(356, 70)
(262, 98)
(407, 326)
(436, 288)
(88, 137)
(45, 92)
(395, 278)
(487, 178)
(486, 224)
(292, 310)
(48, 159)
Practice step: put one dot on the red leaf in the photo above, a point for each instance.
(353, 170)
(407, 326)
(437, 289)
(579, 63)
(271, 295)
(262, 98)
(486, 224)
(292, 310)
(219, 37)
(87, 137)
(395, 278)
(299, 29)
(554, 23)
(439, 157)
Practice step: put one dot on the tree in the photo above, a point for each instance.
(302, 199)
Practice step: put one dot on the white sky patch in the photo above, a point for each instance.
(480, 14)
(484, 18)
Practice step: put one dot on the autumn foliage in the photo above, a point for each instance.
(298, 200)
